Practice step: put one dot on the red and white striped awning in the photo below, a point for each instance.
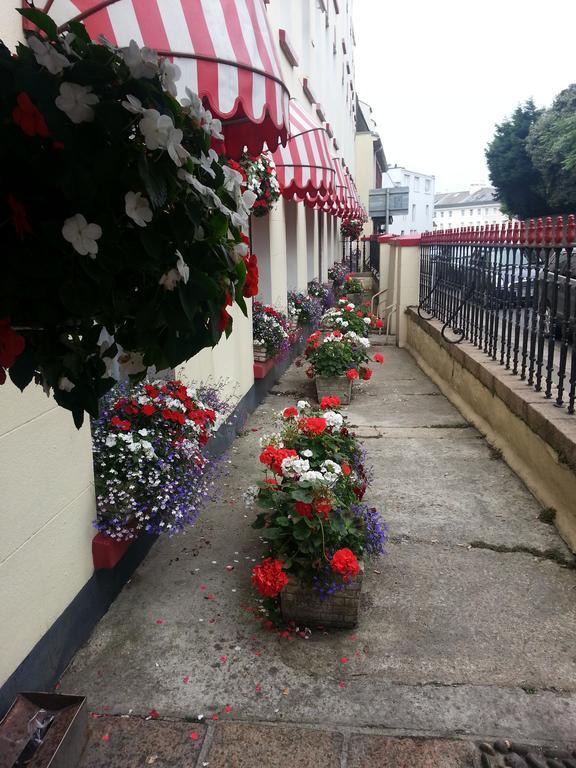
(304, 165)
(224, 48)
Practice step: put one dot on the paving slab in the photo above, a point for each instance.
(384, 752)
(247, 746)
(452, 640)
(126, 742)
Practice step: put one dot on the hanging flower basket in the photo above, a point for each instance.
(259, 176)
(108, 274)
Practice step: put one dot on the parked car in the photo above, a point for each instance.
(557, 293)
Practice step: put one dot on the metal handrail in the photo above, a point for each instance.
(391, 308)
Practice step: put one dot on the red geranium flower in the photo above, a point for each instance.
(352, 374)
(251, 284)
(379, 323)
(337, 334)
(289, 413)
(11, 346)
(269, 578)
(151, 391)
(345, 563)
(28, 117)
(225, 318)
(345, 469)
(378, 358)
(330, 402)
(366, 373)
(310, 373)
(267, 455)
(120, 423)
(323, 507)
(148, 410)
(314, 426)
(303, 509)
(19, 219)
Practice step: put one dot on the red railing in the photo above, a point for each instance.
(560, 231)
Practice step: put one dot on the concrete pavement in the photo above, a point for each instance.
(468, 626)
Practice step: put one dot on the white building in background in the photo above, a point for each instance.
(475, 207)
(420, 201)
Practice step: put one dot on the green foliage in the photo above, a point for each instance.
(519, 184)
(551, 146)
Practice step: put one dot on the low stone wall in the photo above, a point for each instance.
(536, 439)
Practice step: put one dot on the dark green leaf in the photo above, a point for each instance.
(41, 20)
(22, 370)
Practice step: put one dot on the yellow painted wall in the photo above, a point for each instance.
(365, 171)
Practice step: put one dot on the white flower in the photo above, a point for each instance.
(138, 208)
(181, 272)
(159, 133)
(142, 62)
(143, 432)
(155, 128)
(367, 320)
(82, 235)
(333, 419)
(110, 441)
(293, 466)
(302, 404)
(77, 101)
(312, 477)
(65, 384)
(132, 104)
(250, 495)
(169, 74)
(307, 453)
(131, 362)
(47, 56)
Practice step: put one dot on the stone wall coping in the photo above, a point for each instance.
(554, 425)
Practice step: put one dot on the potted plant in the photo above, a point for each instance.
(107, 274)
(322, 292)
(317, 532)
(337, 273)
(346, 317)
(351, 229)
(150, 470)
(270, 332)
(335, 361)
(305, 310)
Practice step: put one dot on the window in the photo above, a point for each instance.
(427, 185)
(478, 211)
(449, 214)
(427, 211)
(413, 212)
(406, 180)
(416, 183)
(471, 212)
(463, 212)
(441, 214)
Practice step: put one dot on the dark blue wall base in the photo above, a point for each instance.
(44, 665)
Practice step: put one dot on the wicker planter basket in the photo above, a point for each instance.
(260, 353)
(301, 604)
(334, 386)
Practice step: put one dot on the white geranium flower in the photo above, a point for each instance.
(302, 404)
(312, 477)
(65, 384)
(155, 128)
(307, 453)
(132, 104)
(183, 268)
(331, 467)
(169, 75)
(174, 146)
(333, 419)
(47, 56)
(293, 466)
(110, 441)
(77, 102)
(82, 235)
(138, 208)
(142, 62)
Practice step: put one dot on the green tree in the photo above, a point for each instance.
(519, 184)
(551, 146)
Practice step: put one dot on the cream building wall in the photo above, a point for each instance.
(46, 502)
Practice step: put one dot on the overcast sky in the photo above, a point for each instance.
(439, 75)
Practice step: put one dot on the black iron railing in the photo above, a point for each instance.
(511, 292)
